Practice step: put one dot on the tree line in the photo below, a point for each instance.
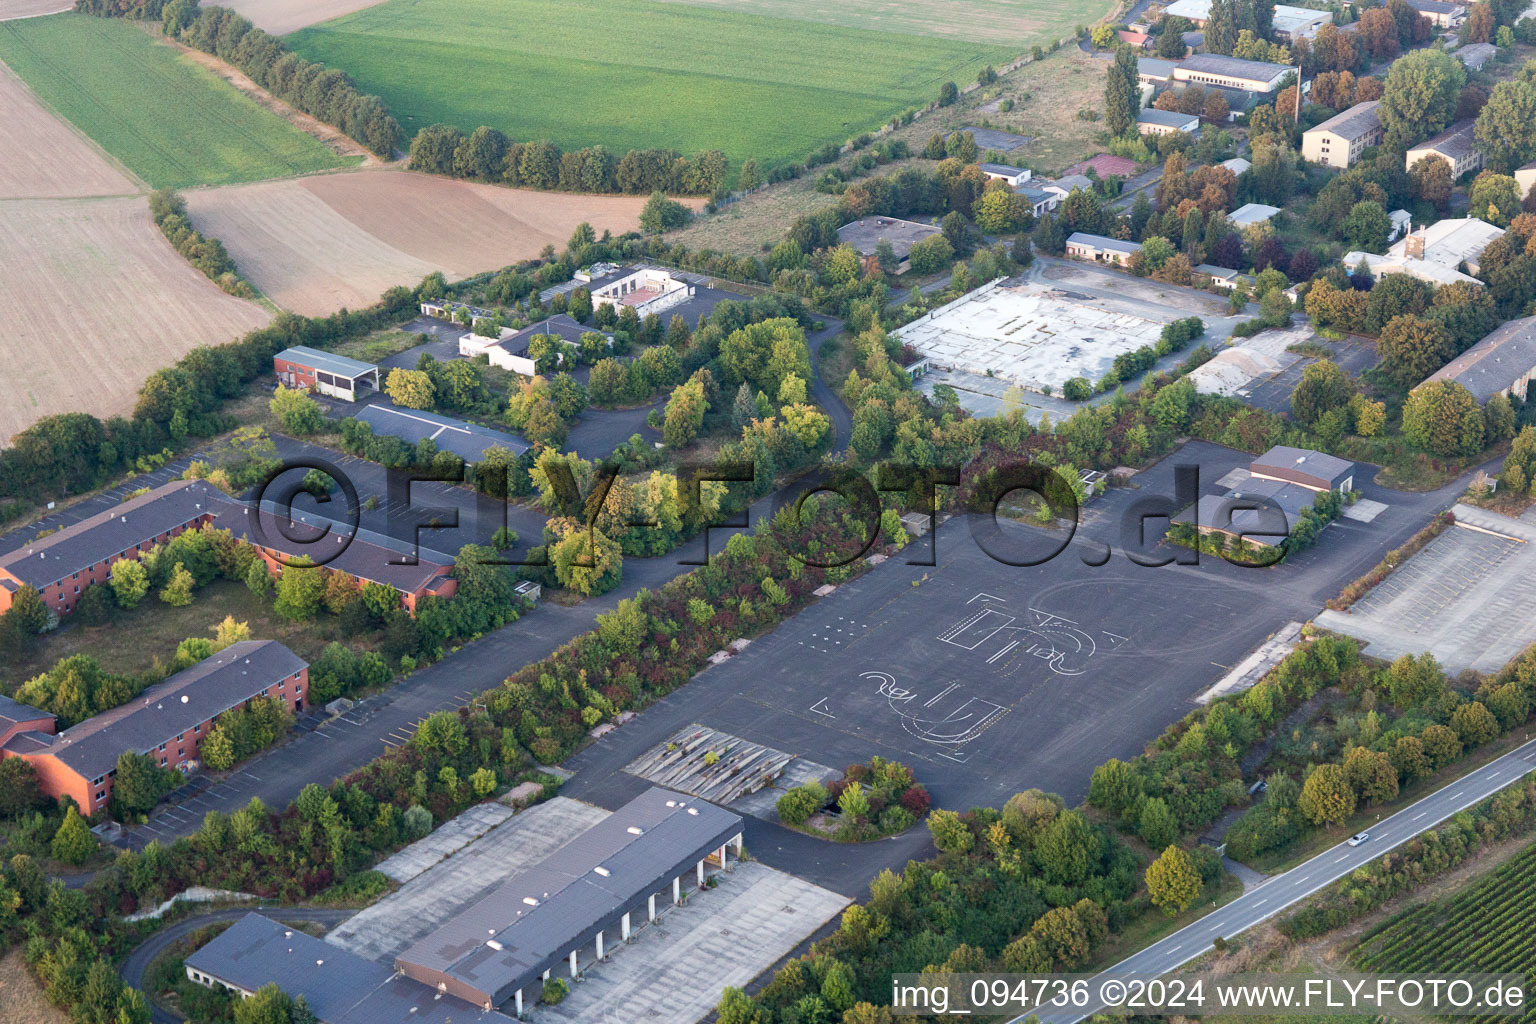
(486, 154)
(324, 93)
(169, 211)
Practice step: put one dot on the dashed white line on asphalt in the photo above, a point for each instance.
(1342, 859)
(1457, 796)
(1416, 817)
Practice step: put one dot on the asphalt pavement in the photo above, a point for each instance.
(1265, 901)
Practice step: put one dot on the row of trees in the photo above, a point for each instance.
(324, 93)
(486, 154)
(169, 212)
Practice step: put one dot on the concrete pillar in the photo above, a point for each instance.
(518, 1001)
(624, 927)
(701, 874)
(738, 845)
(650, 908)
(546, 975)
(677, 890)
(599, 944)
(573, 963)
(722, 858)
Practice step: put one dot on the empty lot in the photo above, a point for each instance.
(94, 300)
(316, 244)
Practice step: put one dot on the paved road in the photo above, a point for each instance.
(821, 393)
(1261, 903)
(138, 961)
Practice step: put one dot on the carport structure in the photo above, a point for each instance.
(522, 930)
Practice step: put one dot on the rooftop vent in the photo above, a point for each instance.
(530, 901)
(693, 811)
(183, 698)
(495, 945)
(602, 871)
(635, 830)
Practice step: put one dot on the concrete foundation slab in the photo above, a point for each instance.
(445, 840)
(1364, 511)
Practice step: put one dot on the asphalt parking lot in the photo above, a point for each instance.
(1354, 355)
(992, 678)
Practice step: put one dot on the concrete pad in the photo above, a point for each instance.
(445, 840)
(1031, 335)
(1465, 598)
(764, 803)
(673, 972)
(1257, 665)
(1364, 511)
(1235, 479)
(441, 891)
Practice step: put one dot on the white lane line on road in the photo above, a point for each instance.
(1457, 796)
(1416, 817)
(1262, 902)
(1493, 775)
(1342, 859)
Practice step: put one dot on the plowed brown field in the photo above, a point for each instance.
(316, 244)
(279, 17)
(93, 299)
(51, 159)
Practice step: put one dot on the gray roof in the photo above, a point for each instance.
(1211, 270)
(866, 235)
(1235, 513)
(560, 326)
(326, 362)
(1153, 67)
(1234, 67)
(340, 987)
(1357, 122)
(1007, 169)
(1167, 118)
(1455, 142)
(371, 557)
(13, 713)
(1102, 242)
(1034, 193)
(1074, 181)
(188, 698)
(532, 921)
(1303, 465)
(468, 441)
(108, 534)
(1475, 55)
(1494, 364)
(1433, 6)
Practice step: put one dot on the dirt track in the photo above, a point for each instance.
(94, 300)
(316, 244)
(53, 160)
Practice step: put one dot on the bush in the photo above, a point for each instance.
(801, 802)
(555, 991)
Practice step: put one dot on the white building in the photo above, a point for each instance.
(1100, 249)
(1435, 254)
(1456, 146)
(647, 289)
(1232, 72)
(1339, 141)
(1250, 214)
(1013, 176)
(1288, 23)
(1166, 122)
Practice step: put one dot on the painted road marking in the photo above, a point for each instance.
(1342, 859)
(1416, 817)
(1457, 796)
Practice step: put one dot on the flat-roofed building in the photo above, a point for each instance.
(1100, 249)
(1435, 254)
(510, 350)
(1164, 122)
(1314, 470)
(1154, 70)
(866, 234)
(1288, 22)
(1339, 141)
(1501, 364)
(647, 289)
(166, 722)
(1250, 214)
(1456, 146)
(1041, 200)
(1475, 55)
(1440, 13)
(339, 987)
(1222, 277)
(1006, 173)
(1232, 72)
(520, 931)
(330, 374)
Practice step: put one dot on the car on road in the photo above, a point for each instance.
(1358, 838)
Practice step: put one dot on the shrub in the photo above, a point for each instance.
(801, 802)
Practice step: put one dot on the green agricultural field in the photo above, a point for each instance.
(1018, 23)
(170, 121)
(633, 74)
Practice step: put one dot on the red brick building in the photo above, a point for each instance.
(166, 721)
(313, 370)
(61, 565)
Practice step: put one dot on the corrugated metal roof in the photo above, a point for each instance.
(327, 362)
(1494, 364)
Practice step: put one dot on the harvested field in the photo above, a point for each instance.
(279, 17)
(984, 21)
(22, 996)
(94, 300)
(314, 245)
(32, 8)
(60, 162)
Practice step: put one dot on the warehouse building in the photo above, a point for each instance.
(1316, 471)
(1436, 253)
(517, 934)
(165, 722)
(1288, 23)
(1281, 484)
(1232, 72)
(1339, 141)
(340, 987)
(310, 369)
(1100, 248)
(1151, 121)
(866, 234)
(1501, 364)
(61, 565)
